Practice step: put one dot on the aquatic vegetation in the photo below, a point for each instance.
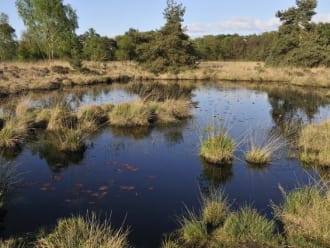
(144, 113)
(261, 152)
(247, 227)
(13, 133)
(131, 114)
(94, 114)
(305, 215)
(60, 117)
(218, 226)
(218, 147)
(314, 144)
(86, 231)
(71, 139)
(13, 243)
(215, 209)
(172, 111)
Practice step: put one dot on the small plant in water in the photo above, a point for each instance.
(217, 147)
(260, 151)
(86, 231)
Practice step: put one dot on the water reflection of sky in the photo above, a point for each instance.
(145, 176)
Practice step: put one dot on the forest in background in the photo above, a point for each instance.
(51, 34)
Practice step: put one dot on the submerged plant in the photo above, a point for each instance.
(218, 147)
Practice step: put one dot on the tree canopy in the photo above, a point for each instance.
(8, 42)
(169, 49)
(51, 25)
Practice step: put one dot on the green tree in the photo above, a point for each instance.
(8, 42)
(51, 25)
(169, 49)
(299, 41)
(97, 47)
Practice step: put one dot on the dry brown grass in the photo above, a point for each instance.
(47, 75)
(314, 144)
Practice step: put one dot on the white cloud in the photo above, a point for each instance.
(324, 17)
(243, 25)
(235, 25)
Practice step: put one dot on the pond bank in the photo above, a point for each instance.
(16, 77)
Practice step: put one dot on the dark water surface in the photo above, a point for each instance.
(144, 177)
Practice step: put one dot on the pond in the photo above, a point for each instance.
(145, 177)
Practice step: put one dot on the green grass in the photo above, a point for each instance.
(85, 232)
(60, 117)
(215, 209)
(261, 153)
(217, 148)
(305, 214)
(133, 114)
(314, 144)
(12, 243)
(13, 133)
(247, 227)
(193, 230)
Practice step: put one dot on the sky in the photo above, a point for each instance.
(115, 17)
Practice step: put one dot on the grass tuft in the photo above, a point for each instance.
(247, 227)
(193, 230)
(218, 147)
(13, 134)
(261, 153)
(305, 214)
(84, 232)
(215, 209)
(314, 144)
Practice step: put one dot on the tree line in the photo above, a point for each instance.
(51, 34)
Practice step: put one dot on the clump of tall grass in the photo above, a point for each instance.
(71, 139)
(23, 107)
(13, 134)
(305, 215)
(193, 230)
(172, 111)
(61, 116)
(94, 115)
(86, 231)
(314, 144)
(218, 147)
(215, 209)
(131, 114)
(217, 226)
(13, 243)
(261, 152)
(247, 227)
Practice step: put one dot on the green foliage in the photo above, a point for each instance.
(305, 214)
(8, 44)
(169, 49)
(51, 25)
(86, 232)
(218, 147)
(96, 47)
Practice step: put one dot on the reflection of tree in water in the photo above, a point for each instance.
(289, 103)
(137, 133)
(213, 176)
(47, 148)
(156, 91)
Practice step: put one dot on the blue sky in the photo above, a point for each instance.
(114, 17)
